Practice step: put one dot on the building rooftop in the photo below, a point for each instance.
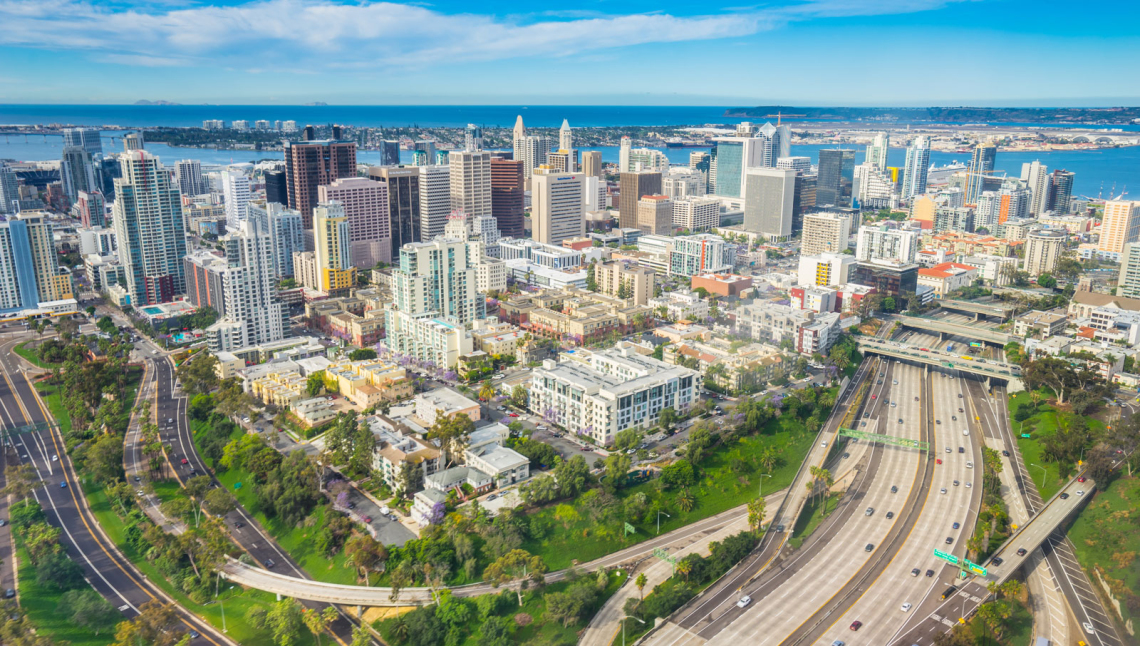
(446, 399)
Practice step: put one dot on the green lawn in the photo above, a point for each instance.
(42, 606)
(236, 601)
(31, 356)
(811, 517)
(1105, 538)
(719, 489)
(1041, 425)
(1018, 629)
(297, 540)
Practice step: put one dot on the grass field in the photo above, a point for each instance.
(811, 517)
(720, 489)
(42, 606)
(1106, 540)
(30, 355)
(1041, 425)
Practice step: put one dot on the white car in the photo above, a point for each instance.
(823, 444)
(906, 607)
(744, 601)
(1089, 628)
(55, 458)
(943, 490)
(969, 465)
(965, 431)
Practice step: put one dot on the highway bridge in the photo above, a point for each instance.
(985, 335)
(996, 310)
(987, 369)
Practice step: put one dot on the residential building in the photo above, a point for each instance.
(508, 195)
(825, 232)
(872, 188)
(437, 278)
(815, 299)
(770, 322)
(956, 219)
(530, 274)
(97, 240)
(1120, 225)
(30, 275)
(609, 391)
(915, 167)
(997, 271)
(1036, 176)
(444, 402)
(636, 160)
(285, 230)
(310, 164)
(696, 213)
(393, 450)
(618, 278)
(769, 195)
(819, 335)
(947, 277)
(701, 254)
(9, 189)
(682, 182)
(886, 242)
(404, 209)
(505, 466)
(332, 256)
(77, 172)
(655, 215)
(546, 255)
(744, 368)
(435, 200)
(365, 204)
(1040, 324)
(681, 306)
(887, 276)
(92, 209)
(236, 195)
(148, 227)
(877, 151)
(1084, 303)
(498, 338)
(1128, 282)
(634, 186)
(836, 177)
(85, 138)
(563, 160)
(425, 337)
(1043, 249)
(572, 314)
(470, 182)
(557, 212)
(1061, 191)
(981, 167)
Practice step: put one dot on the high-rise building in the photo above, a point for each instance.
(700, 161)
(1036, 177)
(435, 200)
(332, 253)
(981, 166)
(403, 203)
(473, 138)
(1060, 191)
(614, 275)
(682, 182)
(188, 176)
(389, 153)
(775, 142)
(85, 138)
(564, 160)
(769, 194)
(236, 193)
(877, 151)
(276, 187)
(804, 200)
(916, 167)
(289, 126)
(798, 164)
(886, 242)
(261, 124)
(471, 182)
(995, 207)
(826, 232)
(133, 141)
(696, 213)
(556, 212)
(872, 189)
(508, 200)
(701, 254)
(107, 170)
(1128, 282)
(640, 159)
(836, 177)
(1043, 249)
(438, 278)
(241, 287)
(148, 224)
(1119, 226)
(655, 215)
(592, 163)
(365, 204)
(92, 209)
(29, 270)
(565, 137)
(309, 164)
(518, 137)
(9, 189)
(77, 171)
(286, 234)
(427, 148)
(535, 150)
(634, 186)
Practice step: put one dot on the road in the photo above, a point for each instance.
(107, 570)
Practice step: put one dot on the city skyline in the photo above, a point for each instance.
(246, 52)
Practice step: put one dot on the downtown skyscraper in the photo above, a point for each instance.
(309, 164)
(148, 224)
(916, 167)
(981, 167)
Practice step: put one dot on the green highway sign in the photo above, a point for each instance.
(976, 569)
(630, 529)
(1025, 435)
(949, 558)
(664, 556)
(975, 344)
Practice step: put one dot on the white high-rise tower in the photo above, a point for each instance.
(916, 167)
(565, 138)
(877, 151)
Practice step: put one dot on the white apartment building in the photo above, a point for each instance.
(425, 337)
(286, 232)
(700, 254)
(235, 191)
(873, 188)
(557, 213)
(97, 240)
(437, 278)
(470, 182)
(681, 306)
(546, 255)
(609, 391)
(825, 232)
(682, 182)
(825, 270)
(1043, 249)
(884, 242)
(490, 275)
(632, 160)
(769, 322)
(696, 213)
(435, 200)
(769, 195)
(992, 269)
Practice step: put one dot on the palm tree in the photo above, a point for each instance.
(640, 583)
(399, 629)
(684, 568)
(686, 502)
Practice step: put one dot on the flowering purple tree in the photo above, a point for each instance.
(450, 375)
(777, 400)
(342, 499)
(435, 516)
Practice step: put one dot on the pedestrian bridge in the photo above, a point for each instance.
(995, 337)
(1007, 372)
(996, 310)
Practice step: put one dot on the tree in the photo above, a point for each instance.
(360, 636)
(1046, 281)
(519, 396)
(486, 391)
(684, 567)
(517, 567)
(219, 502)
(364, 553)
(318, 622)
(496, 631)
(362, 354)
(104, 458)
(315, 383)
(285, 621)
(640, 582)
(88, 609)
(627, 439)
(573, 476)
(151, 626)
(756, 509)
(198, 375)
(21, 481)
(57, 571)
(686, 501)
(452, 432)
(667, 417)
(889, 304)
(591, 280)
(617, 466)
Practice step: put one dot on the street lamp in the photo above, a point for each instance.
(221, 604)
(659, 512)
(1043, 472)
(760, 489)
(623, 627)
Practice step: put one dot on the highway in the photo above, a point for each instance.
(107, 570)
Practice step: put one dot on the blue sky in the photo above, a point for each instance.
(596, 52)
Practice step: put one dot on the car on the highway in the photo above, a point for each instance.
(1081, 493)
(185, 461)
(949, 540)
(238, 524)
(194, 634)
(929, 573)
(1064, 496)
(823, 444)
(965, 431)
(953, 418)
(846, 455)
(900, 420)
(997, 561)
(744, 601)
(870, 511)
(890, 514)
(894, 489)
(961, 449)
(1088, 628)
(1021, 551)
(1081, 479)
(856, 625)
(959, 395)
(942, 490)
(955, 483)
(957, 525)
(866, 415)
(948, 450)
(837, 643)
(895, 382)
(916, 399)
(938, 461)
(269, 563)
(969, 465)
(905, 607)
(868, 547)
(874, 396)
(1005, 453)
(63, 485)
(938, 421)
(915, 572)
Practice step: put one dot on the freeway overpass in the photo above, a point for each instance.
(981, 367)
(997, 310)
(943, 328)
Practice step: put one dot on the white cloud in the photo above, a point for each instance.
(317, 34)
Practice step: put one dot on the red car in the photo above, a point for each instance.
(938, 461)
(185, 461)
(1081, 479)
(874, 396)
(512, 414)
(366, 519)
(856, 625)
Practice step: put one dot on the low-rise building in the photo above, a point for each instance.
(683, 331)
(394, 449)
(772, 323)
(227, 365)
(446, 402)
(505, 466)
(1040, 324)
(497, 337)
(573, 315)
(729, 368)
(947, 277)
(815, 299)
(1083, 303)
(722, 284)
(625, 280)
(681, 306)
(370, 382)
(315, 411)
(529, 273)
(598, 394)
(819, 335)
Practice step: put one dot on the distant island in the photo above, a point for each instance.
(315, 103)
(145, 102)
(964, 115)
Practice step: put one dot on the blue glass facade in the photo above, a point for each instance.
(729, 167)
(25, 265)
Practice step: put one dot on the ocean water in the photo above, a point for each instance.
(1098, 172)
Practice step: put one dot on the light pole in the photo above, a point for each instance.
(760, 489)
(623, 627)
(659, 512)
(1043, 472)
(220, 603)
